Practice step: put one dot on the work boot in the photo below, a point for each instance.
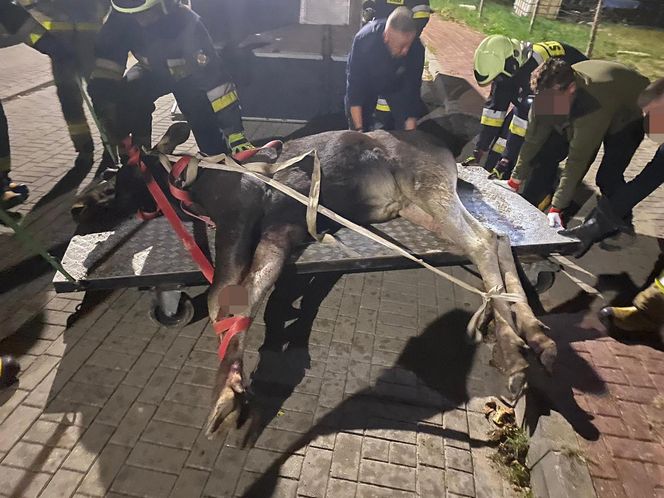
(645, 316)
(86, 155)
(9, 369)
(13, 193)
(600, 223)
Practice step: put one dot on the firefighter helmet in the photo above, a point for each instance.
(496, 55)
(135, 6)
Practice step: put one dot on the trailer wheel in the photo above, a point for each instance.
(183, 315)
(545, 280)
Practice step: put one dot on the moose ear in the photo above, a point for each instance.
(177, 134)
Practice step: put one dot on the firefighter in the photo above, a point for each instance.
(506, 65)
(384, 60)
(576, 110)
(381, 9)
(175, 55)
(73, 24)
(614, 214)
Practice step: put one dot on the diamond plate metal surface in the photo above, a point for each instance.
(138, 252)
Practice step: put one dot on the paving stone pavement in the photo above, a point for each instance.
(374, 394)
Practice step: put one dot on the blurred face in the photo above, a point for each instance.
(554, 101)
(655, 119)
(398, 43)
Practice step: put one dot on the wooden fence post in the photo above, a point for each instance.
(532, 17)
(593, 30)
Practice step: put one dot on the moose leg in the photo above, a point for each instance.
(529, 327)
(442, 213)
(268, 260)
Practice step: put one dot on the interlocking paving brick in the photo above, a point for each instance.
(279, 440)
(346, 456)
(21, 482)
(143, 482)
(157, 457)
(86, 394)
(53, 434)
(324, 441)
(609, 488)
(204, 452)
(260, 461)
(167, 434)
(133, 424)
(35, 457)
(142, 370)
(100, 476)
(460, 482)
(430, 481)
(392, 430)
(178, 353)
(197, 376)
(635, 479)
(118, 404)
(385, 474)
(190, 483)
(131, 345)
(283, 488)
(158, 385)
(309, 385)
(629, 449)
(63, 484)
(223, 479)
(375, 449)
(39, 369)
(190, 395)
(369, 491)
(458, 459)
(88, 447)
(113, 360)
(403, 454)
(177, 413)
(10, 399)
(315, 472)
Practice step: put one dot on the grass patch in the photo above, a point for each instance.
(612, 38)
(511, 454)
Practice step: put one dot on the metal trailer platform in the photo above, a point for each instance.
(149, 254)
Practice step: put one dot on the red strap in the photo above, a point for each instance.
(165, 207)
(147, 215)
(249, 153)
(232, 326)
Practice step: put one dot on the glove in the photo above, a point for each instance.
(238, 142)
(555, 221)
(473, 160)
(511, 184)
(501, 169)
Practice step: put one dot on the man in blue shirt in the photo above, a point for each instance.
(386, 59)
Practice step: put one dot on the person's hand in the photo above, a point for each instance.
(410, 124)
(555, 220)
(473, 160)
(511, 184)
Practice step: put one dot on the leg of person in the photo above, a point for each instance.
(498, 148)
(646, 315)
(11, 193)
(540, 186)
(619, 149)
(65, 76)
(196, 108)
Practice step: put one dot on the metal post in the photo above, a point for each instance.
(480, 8)
(593, 30)
(532, 17)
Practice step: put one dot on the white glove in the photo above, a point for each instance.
(555, 221)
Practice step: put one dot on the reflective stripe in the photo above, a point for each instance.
(34, 38)
(421, 12)
(518, 126)
(382, 105)
(493, 118)
(659, 282)
(236, 137)
(220, 91)
(107, 69)
(223, 102)
(78, 128)
(395, 2)
(500, 145)
(178, 68)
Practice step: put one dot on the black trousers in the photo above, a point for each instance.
(4, 142)
(645, 183)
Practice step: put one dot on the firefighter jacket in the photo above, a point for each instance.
(516, 91)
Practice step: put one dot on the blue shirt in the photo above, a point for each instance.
(372, 71)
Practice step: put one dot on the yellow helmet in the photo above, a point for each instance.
(135, 6)
(496, 55)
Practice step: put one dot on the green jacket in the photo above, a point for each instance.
(604, 103)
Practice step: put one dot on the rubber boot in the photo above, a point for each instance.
(601, 223)
(645, 316)
(9, 369)
(13, 193)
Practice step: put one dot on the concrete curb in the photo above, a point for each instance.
(557, 468)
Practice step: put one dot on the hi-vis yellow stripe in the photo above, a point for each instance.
(68, 26)
(383, 107)
(496, 122)
(224, 101)
(421, 15)
(35, 37)
(518, 128)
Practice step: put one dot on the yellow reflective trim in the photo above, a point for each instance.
(498, 147)
(421, 15)
(495, 122)
(236, 137)
(659, 284)
(58, 25)
(34, 38)
(396, 2)
(383, 108)
(545, 203)
(224, 101)
(517, 130)
(78, 129)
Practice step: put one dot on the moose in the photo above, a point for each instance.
(367, 178)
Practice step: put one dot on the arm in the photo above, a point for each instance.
(588, 133)
(356, 83)
(413, 84)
